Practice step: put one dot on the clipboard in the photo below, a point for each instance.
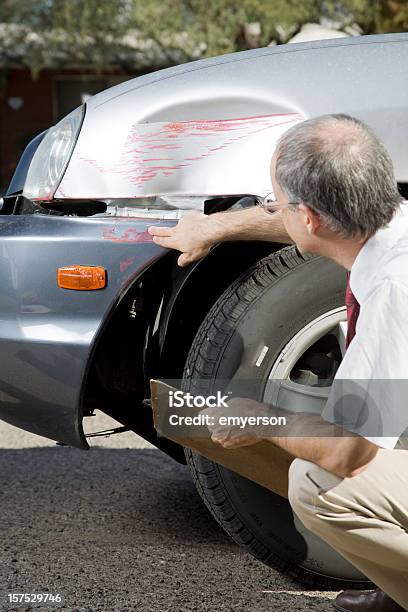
(263, 462)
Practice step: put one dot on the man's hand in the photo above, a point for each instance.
(232, 435)
(194, 235)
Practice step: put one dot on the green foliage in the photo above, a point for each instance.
(90, 17)
(220, 24)
(143, 33)
(391, 16)
(373, 16)
(91, 26)
(31, 12)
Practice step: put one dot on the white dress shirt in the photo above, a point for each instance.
(369, 395)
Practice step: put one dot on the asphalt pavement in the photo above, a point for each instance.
(121, 527)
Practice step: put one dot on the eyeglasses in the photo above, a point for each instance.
(271, 205)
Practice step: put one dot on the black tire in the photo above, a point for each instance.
(270, 302)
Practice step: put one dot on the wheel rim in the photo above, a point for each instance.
(283, 391)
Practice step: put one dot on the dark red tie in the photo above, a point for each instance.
(353, 310)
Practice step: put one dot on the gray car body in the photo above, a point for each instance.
(49, 335)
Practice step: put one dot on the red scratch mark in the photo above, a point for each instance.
(130, 236)
(178, 126)
(146, 159)
(61, 193)
(48, 196)
(207, 137)
(124, 265)
(164, 146)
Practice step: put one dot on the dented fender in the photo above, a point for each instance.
(48, 334)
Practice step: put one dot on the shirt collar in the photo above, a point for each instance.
(366, 264)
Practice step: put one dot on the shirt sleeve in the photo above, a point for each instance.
(369, 395)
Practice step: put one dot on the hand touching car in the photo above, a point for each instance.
(194, 235)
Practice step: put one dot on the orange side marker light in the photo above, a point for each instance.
(82, 278)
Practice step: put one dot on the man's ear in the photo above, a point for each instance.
(310, 218)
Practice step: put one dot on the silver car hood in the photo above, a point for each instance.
(210, 127)
(207, 157)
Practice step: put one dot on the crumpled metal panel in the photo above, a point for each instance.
(223, 157)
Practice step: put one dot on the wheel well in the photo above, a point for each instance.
(193, 298)
(151, 330)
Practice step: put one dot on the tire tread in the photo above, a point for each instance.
(215, 332)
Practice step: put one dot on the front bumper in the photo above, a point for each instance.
(48, 334)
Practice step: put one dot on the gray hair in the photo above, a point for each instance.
(336, 165)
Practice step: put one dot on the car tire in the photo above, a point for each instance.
(267, 306)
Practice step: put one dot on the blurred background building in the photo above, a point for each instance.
(54, 54)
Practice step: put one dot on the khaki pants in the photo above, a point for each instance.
(364, 518)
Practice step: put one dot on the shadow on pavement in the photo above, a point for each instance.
(124, 529)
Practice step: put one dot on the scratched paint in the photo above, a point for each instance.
(127, 263)
(130, 235)
(211, 157)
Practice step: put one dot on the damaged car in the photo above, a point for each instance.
(91, 308)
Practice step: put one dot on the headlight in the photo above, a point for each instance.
(52, 156)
